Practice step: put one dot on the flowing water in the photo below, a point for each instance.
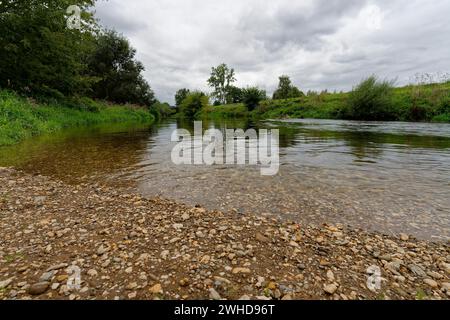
(389, 177)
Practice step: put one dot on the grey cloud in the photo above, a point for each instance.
(320, 44)
(298, 25)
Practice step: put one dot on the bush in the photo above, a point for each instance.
(371, 100)
(251, 97)
(286, 90)
(161, 110)
(193, 103)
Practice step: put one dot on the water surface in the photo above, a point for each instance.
(389, 177)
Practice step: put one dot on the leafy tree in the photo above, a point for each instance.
(39, 55)
(221, 79)
(180, 95)
(252, 96)
(161, 110)
(371, 100)
(234, 95)
(121, 75)
(193, 103)
(286, 90)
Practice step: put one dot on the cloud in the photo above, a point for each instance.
(321, 44)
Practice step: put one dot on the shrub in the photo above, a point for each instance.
(286, 90)
(371, 100)
(193, 103)
(161, 110)
(252, 96)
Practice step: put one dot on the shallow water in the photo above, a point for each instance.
(389, 177)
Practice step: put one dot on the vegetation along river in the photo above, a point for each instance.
(389, 177)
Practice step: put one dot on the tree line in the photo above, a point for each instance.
(224, 92)
(43, 58)
(372, 99)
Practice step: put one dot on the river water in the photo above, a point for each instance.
(389, 177)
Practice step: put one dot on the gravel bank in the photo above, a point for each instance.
(129, 247)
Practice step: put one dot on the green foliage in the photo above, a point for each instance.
(411, 103)
(252, 96)
(220, 80)
(237, 110)
(286, 90)
(120, 75)
(193, 103)
(22, 118)
(39, 55)
(324, 106)
(161, 110)
(234, 95)
(180, 95)
(372, 100)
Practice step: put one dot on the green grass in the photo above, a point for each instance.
(21, 118)
(411, 103)
(226, 111)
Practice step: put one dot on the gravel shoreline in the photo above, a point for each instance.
(129, 247)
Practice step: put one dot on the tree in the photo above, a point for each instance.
(221, 79)
(121, 75)
(161, 110)
(180, 95)
(286, 90)
(371, 100)
(39, 55)
(252, 96)
(234, 94)
(193, 103)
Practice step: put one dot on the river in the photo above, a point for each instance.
(388, 177)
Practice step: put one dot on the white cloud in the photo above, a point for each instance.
(319, 43)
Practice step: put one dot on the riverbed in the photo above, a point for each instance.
(386, 177)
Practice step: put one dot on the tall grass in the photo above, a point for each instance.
(371, 100)
(236, 110)
(21, 118)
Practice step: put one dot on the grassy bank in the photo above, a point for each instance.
(226, 111)
(411, 103)
(21, 118)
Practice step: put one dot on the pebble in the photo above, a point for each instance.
(214, 295)
(404, 237)
(418, 271)
(157, 288)
(38, 288)
(330, 288)
(46, 276)
(143, 247)
(92, 273)
(5, 283)
(431, 283)
(185, 216)
(241, 270)
(330, 276)
(261, 238)
(57, 267)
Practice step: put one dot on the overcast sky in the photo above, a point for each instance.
(320, 44)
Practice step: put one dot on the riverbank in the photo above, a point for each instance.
(129, 247)
(22, 118)
(430, 103)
